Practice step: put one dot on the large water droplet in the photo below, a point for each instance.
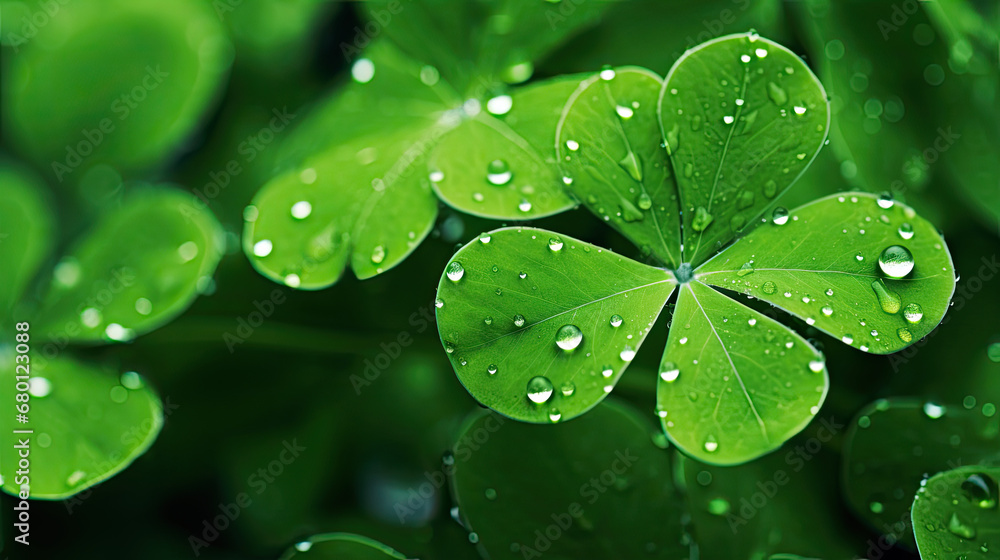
(518, 320)
(913, 313)
(769, 287)
(455, 271)
(616, 320)
(498, 172)
(702, 219)
(627, 353)
(981, 489)
(630, 163)
(889, 301)
(958, 527)
(885, 200)
(644, 202)
(896, 261)
(779, 216)
(568, 337)
(670, 372)
(906, 231)
(567, 389)
(539, 389)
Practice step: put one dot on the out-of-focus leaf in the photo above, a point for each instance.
(26, 233)
(955, 514)
(86, 423)
(140, 267)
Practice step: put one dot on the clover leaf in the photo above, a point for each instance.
(87, 423)
(955, 514)
(356, 189)
(893, 444)
(609, 479)
(524, 313)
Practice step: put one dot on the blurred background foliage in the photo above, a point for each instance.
(916, 111)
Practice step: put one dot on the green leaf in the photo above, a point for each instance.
(474, 45)
(597, 488)
(733, 156)
(734, 384)
(893, 444)
(500, 162)
(88, 424)
(168, 60)
(141, 266)
(359, 191)
(609, 145)
(26, 232)
(506, 297)
(823, 265)
(337, 546)
(955, 514)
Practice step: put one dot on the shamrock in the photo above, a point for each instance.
(540, 327)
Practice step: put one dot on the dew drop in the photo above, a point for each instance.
(711, 444)
(904, 334)
(960, 528)
(555, 244)
(455, 271)
(885, 200)
(627, 353)
(624, 112)
(262, 248)
(769, 287)
(572, 145)
(981, 490)
(569, 337)
(702, 219)
(779, 216)
(616, 321)
(670, 372)
(301, 210)
(378, 254)
(816, 366)
(644, 202)
(492, 369)
(906, 231)
(524, 206)
(567, 389)
(518, 320)
(827, 310)
(888, 300)
(913, 313)
(498, 172)
(539, 389)
(896, 261)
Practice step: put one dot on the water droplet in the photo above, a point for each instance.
(378, 254)
(816, 366)
(555, 244)
(670, 372)
(776, 93)
(498, 172)
(770, 189)
(607, 74)
(627, 353)
(702, 219)
(567, 389)
(131, 380)
(524, 206)
(39, 387)
(746, 269)
(572, 145)
(711, 444)
(889, 301)
(518, 320)
(779, 216)
(539, 389)
(455, 271)
(363, 70)
(644, 202)
(859, 257)
(484, 238)
(301, 210)
(799, 110)
(981, 490)
(449, 347)
(568, 337)
(896, 261)
(499, 105)
(761, 53)
(728, 119)
(492, 369)
(769, 287)
(631, 164)
(616, 321)
(745, 58)
(76, 477)
(624, 112)
(905, 231)
(847, 339)
(607, 371)
(262, 248)
(522, 275)
(827, 310)
(904, 334)
(751, 321)
(913, 313)
(960, 528)
(554, 415)
(116, 332)
(438, 302)
(934, 411)
(885, 200)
